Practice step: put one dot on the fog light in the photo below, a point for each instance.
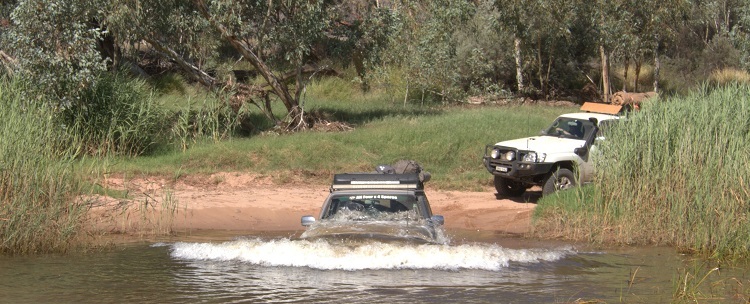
(495, 153)
(530, 157)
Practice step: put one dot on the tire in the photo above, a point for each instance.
(562, 179)
(507, 187)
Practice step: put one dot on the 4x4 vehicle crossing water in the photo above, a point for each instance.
(384, 206)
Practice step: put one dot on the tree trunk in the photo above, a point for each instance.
(243, 92)
(657, 67)
(605, 73)
(625, 74)
(519, 67)
(8, 62)
(200, 75)
(279, 88)
(540, 64)
(546, 76)
(359, 64)
(637, 74)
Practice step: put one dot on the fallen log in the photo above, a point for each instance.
(631, 99)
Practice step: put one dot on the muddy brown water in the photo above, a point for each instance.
(217, 267)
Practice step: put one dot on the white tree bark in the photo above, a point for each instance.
(519, 62)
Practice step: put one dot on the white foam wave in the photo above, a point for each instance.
(322, 254)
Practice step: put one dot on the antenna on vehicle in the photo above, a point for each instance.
(528, 130)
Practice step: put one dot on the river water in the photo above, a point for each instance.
(279, 268)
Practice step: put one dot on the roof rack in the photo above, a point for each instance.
(376, 181)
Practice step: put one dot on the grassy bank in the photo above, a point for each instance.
(676, 173)
(38, 179)
(448, 141)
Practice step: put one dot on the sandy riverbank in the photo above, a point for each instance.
(245, 202)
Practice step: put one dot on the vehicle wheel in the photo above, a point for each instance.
(562, 179)
(507, 187)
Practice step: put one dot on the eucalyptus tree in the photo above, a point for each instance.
(724, 19)
(425, 46)
(661, 20)
(741, 34)
(6, 61)
(512, 18)
(191, 32)
(52, 44)
(551, 38)
(543, 35)
(635, 29)
(610, 16)
(483, 66)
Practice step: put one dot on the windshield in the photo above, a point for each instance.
(566, 127)
(373, 207)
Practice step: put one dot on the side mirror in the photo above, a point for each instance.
(438, 219)
(581, 151)
(308, 220)
(590, 138)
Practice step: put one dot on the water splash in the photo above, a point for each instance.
(326, 254)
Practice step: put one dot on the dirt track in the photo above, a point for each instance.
(242, 202)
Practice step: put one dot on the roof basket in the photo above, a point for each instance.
(404, 167)
(404, 174)
(376, 181)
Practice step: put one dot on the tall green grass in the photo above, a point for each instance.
(200, 120)
(676, 173)
(114, 117)
(39, 211)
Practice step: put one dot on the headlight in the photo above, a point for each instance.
(532, 157)
(510, 155)
(495, 153)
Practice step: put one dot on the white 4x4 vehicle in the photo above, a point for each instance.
(557, 159)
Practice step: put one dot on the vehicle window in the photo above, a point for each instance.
(374, 206)
(426, 205)
(569, 128)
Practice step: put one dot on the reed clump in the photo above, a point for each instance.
(116, 116)
(676, 173)
(38, 182)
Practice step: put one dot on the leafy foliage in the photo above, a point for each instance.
(429, 50)
(55, 46)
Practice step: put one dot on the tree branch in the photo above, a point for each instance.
(279, 88)
(8, 62)
(199, 74)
